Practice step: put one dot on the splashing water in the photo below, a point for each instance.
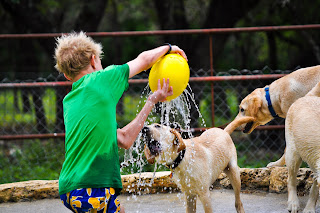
(176, 114)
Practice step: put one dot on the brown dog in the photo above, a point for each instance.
(303, 143)
(196, 163)
(264, 105)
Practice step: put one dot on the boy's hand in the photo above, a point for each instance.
(176, 49)
(162, 93)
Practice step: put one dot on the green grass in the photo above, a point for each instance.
(205, 109)
(49, 102)
(132, 105)
(35, 159)
(31, 160)
(11, 115)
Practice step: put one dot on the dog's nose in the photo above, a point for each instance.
(145, 130)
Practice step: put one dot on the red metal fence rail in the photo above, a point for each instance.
(208, 32)
(140, 81)
(211, 78)
(169, 32)
(131, 81)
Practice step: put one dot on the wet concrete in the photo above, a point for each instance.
(222, 201)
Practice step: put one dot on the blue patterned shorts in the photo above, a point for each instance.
(100, 200)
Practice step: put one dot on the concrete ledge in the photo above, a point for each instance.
(29, 190)
(260, 179)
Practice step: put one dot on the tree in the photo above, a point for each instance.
(45, 17)
(278, 50)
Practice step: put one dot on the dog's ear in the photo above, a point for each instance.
(178, 140)
(256, 104)
(149, 156)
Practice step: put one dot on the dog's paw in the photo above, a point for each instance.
(309, 210)
(293, 206)
(275, 164)
(310, 207)
(272, 164)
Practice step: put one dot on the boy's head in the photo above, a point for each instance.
(73, 53)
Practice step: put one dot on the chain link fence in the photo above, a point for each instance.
(32, 143)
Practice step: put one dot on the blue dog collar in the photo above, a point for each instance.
(273, 113)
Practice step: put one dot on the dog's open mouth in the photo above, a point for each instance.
(153, 145)
(248, 127)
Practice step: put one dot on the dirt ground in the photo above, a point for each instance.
(222, 201)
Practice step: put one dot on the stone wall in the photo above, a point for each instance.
(261, 179)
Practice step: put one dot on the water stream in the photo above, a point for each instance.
(175, 114)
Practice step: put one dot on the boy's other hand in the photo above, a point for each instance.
(161, 94)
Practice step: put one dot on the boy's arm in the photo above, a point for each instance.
(128, 134)
(146, 59)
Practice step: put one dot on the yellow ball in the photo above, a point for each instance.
(174, 67)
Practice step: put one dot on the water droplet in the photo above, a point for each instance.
(176, 113)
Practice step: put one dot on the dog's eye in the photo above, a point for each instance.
(241, 110)
(157, 126)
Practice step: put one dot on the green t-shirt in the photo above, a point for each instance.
(92, 159)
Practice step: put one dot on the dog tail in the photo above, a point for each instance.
(236, 123)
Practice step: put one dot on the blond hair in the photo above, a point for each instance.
(73, 53)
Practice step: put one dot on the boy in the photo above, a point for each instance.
(90, 179)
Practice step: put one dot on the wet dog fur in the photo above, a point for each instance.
(205, 158)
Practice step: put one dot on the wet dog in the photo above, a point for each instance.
(264, 104)
(196, 163)
(303, 143)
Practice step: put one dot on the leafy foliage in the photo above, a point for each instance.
(31, 160)
(31, 58)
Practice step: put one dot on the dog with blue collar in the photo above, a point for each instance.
(274, 100)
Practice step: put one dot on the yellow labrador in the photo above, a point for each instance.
(264, 104)
(196, 163)
(303, 143)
